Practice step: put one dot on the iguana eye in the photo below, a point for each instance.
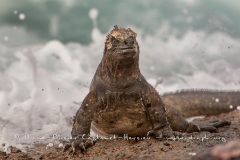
(114, 41)
(129, 41)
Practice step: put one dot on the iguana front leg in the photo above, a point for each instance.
(82, 124)
(156, 113)
(179, 123)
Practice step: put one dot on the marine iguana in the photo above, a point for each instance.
(121, 101)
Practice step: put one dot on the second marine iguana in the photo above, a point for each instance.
(121, 101)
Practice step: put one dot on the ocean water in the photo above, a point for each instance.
(43, 79)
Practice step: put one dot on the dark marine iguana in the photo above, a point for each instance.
(121, 101)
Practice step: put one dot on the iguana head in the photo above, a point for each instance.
(121, 44)
(120, 63)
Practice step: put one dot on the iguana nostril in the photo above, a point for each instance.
(129, 42)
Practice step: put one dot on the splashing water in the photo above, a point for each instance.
(41, 86)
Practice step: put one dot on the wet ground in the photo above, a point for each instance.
(186, 147)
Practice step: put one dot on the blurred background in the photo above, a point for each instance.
(50, 49)
(68, 21)
(185, 29)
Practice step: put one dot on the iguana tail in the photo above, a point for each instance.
(203, 102)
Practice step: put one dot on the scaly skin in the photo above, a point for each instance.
(120, 100)
(203, 102)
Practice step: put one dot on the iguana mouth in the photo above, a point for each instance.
(125, 51)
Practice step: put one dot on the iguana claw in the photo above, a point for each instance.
(79, 144)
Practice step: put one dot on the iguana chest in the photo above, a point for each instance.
(123, 113)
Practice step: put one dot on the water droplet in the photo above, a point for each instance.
(185, 11)
(5, 38)
(231, 107)
(22, 16)
(60, 145)
(49, 144)
(15, 12)
(216, 100)
(192, 154)
(238, 108)
(152, 68)
(93, 13)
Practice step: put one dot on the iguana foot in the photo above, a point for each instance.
(79, 144)
(161, 133)
(207, 126)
